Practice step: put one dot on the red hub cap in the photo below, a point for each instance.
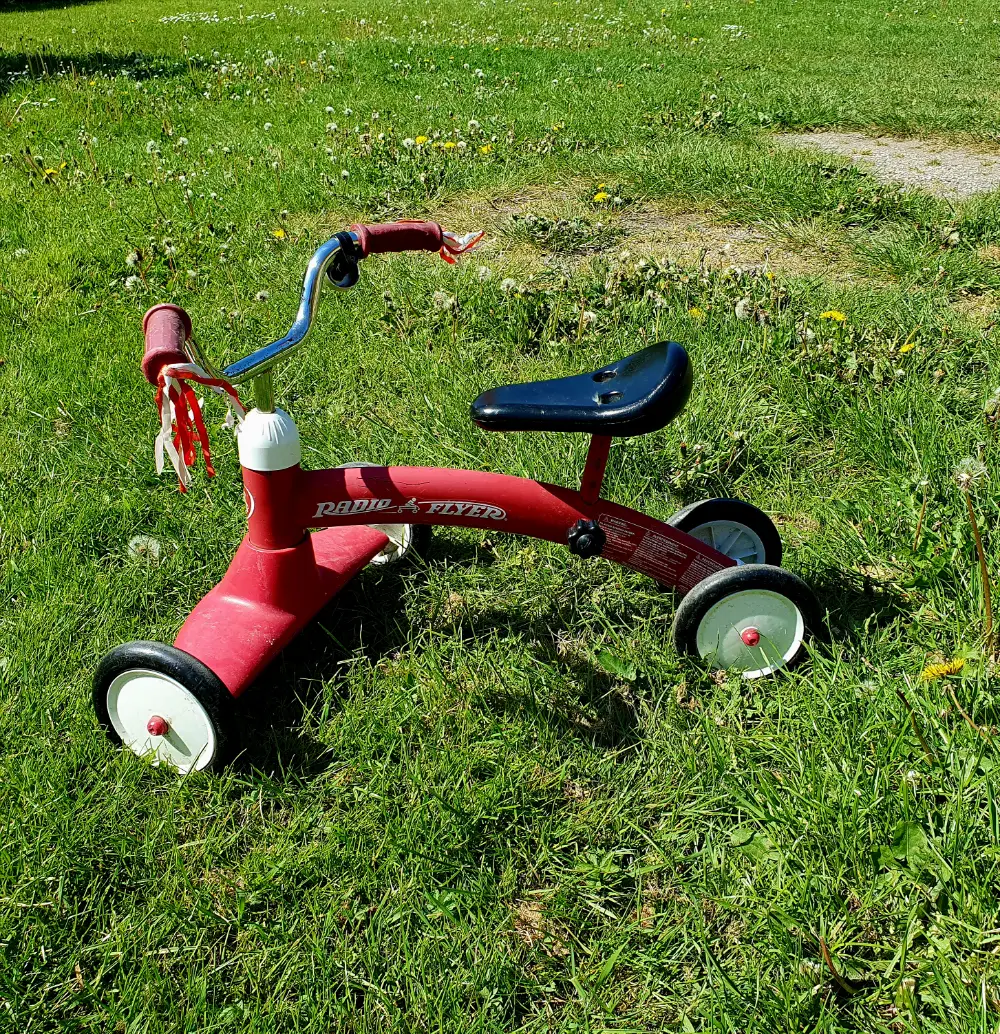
(156, 726)
(750, 636)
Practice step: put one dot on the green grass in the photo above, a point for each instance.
(450, 816)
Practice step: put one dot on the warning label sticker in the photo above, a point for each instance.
(654, 553)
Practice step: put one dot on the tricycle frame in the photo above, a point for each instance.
(284, 571)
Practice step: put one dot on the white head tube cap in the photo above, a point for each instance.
(268, 441)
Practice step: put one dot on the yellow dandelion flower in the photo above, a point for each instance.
(279, 233)
(486, 148)
(696, 314)
(449, 145)
(51, 172)
(421, 140)
(601, 196)
(939, 671)
(907, 346)
(833, 314)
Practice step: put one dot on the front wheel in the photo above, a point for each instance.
(734, 528)
(754, 619)
(161, 702)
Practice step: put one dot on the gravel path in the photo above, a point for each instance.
(944, 170)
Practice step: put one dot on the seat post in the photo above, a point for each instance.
(593, 471)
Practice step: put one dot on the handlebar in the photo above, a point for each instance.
(167, 328)
(407, 235)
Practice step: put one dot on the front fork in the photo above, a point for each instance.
(281, 576)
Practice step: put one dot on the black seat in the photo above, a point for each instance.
(636, 395)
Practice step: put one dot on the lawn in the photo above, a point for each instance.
(482, 794)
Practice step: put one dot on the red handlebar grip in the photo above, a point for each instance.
(401, 236)
(166, 328)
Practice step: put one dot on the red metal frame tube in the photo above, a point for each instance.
(593, 470)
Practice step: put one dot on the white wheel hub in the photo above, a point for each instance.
(754, 631)
(400, 538)
(734, 540)
(155, 714)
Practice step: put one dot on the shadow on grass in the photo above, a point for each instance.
(856, 604)
(29, 6)
(587, 703)
(44, 64)
(594, 707)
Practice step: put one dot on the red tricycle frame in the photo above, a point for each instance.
(284, 572)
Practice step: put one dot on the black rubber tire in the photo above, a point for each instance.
(737, 512)
(693, 608)
(192, 674)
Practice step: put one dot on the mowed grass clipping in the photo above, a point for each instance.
(483, 794)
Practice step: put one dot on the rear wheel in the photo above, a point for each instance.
(755, 619)
(405, 540)
(161, 702)
(734, 528)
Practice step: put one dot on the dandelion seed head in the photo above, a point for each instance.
(969, 473)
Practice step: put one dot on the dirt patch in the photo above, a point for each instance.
(941, 169)
(981, 310)
(535, 929)
(689, 238)
(693, 238)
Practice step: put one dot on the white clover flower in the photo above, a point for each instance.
(743, 309)
(444, 301)
(182, 141)
(484, 273)
(409, 142)
(131, 283)
(150, 146)
(589, 317)
(267, 126)
(348, 112)
(473, 126)
(21, 253)
(331, 127)
(132, 258)
(344, 174)
(261, 296)
(508, 285)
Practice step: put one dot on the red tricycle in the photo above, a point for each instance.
(739, 610)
